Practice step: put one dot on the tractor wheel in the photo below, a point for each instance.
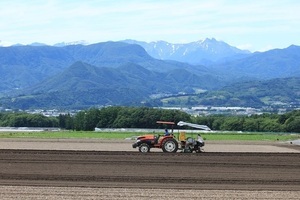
(144, 148)
(199, 150)
(170, 145)
(188, 150)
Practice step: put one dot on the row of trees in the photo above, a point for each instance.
(143, 117)
(125, 117)
(289, 122)
(27, 120)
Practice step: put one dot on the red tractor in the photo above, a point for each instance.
(165, 142)
(168, 142)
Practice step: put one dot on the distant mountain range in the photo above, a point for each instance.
(130, 72)
(25, 66)
(84, 85)
(202, 52)
(276, 63)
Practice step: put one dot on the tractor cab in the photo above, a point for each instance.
(166, 142)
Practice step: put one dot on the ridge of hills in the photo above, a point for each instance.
(125, 85)
(278, 92)
(276, 63)
(19, 64)
(118, 73)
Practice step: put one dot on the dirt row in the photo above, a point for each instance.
(126, 145)
(245, 171)
(71, 193)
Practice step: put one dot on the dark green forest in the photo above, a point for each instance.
(143, 117)
(21, 119)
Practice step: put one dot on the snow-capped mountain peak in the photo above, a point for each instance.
(199, 52)
(79, 42)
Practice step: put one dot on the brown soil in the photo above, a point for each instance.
(192, 174)
(154, 170)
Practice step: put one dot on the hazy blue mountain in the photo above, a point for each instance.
(276, 63)
(24, 66)
(108, 54)
(200, 52)
(84, 85)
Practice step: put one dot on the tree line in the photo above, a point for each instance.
(144, 117)
(22, 119)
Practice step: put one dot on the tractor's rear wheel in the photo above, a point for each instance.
(144, 148)
(170, 145)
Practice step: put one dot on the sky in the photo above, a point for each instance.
(255, 25)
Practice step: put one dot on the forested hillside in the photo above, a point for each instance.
(282, 92)
(82, 86)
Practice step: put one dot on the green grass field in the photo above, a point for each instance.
(123, 135)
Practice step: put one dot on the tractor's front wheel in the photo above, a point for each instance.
(170, 145)
(144, 148)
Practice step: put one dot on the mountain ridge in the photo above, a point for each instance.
(199, 52)
(117, 73)
(275, 63)
(104, 86)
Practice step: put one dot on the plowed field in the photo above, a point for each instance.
(68, 174)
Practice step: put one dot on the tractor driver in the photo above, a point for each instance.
(167, 132)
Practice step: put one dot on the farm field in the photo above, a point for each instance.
(34, 174)
(106, 169)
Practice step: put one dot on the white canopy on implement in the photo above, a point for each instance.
(203, 127)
